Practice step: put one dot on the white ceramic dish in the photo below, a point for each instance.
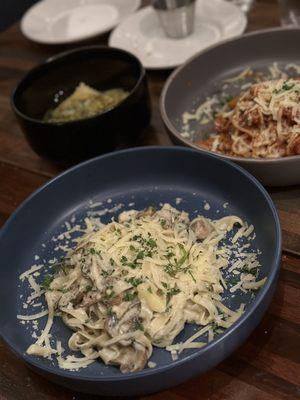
(142, 35)
(67, 21)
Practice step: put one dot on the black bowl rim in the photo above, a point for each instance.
(230, 331)
(58, 57)
(174, 132)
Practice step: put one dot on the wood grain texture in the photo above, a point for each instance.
(267, 366)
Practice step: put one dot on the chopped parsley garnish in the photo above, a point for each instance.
(184, 256)
(105, 273)
(170, 270)
(112, 262)
(287, 86)
(234, 280)
(149, 289)
(93, 251)
(137, 238)
(138, 325)
(132, 265)
(173, 269)
(60, 266)
(252, 271)
(123, 260)
(129, 295)
(151, 243)
(109, 311)
(140, 255)
(192, 276)
(170, 254)
(134, 281)
(47, 281)
(163, 222)
(172, 292)
(126, 263)
(145, 249)
(217, 330)
(228, 99)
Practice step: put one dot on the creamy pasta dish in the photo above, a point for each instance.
(134, 283)
(85, 102)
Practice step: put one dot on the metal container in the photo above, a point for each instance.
(176, 17)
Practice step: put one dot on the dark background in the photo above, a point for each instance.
(12, 10)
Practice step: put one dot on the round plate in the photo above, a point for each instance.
(204, 75)
(142, 34)
(136, 178)
(58, 22)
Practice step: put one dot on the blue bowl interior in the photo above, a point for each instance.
(144, 177)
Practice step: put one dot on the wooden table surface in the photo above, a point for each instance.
(267, 366)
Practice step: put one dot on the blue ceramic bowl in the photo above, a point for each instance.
(144, 176)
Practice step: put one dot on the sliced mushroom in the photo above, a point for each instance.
(202, 228)
(90, 298)
(150, 211)
(167, 215)
(133, 358)
(78, 298)
(129, 358)
(117, 327)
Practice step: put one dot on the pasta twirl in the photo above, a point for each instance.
(134, 283)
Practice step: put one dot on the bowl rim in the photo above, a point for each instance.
(175, 133)
(65, 54)
(275, 267)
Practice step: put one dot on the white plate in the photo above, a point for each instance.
(142, 35)
(66, 21)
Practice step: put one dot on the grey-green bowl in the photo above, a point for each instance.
(200, 76)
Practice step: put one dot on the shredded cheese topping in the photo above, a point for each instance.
(136, 282)
(255, 113)
(264, 122)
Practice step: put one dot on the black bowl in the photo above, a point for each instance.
(100, 67)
